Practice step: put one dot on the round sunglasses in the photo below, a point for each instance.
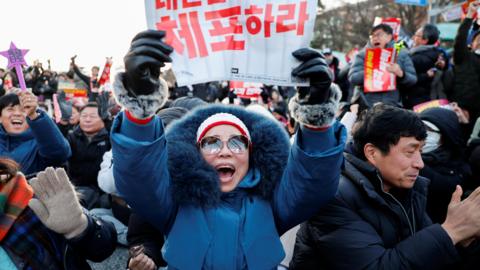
(212, 145)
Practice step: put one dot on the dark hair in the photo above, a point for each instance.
(9, 167)
(384, 125)
(8, 100)
(89, 105)
(430, 33)
(384, 27)
(168, 115)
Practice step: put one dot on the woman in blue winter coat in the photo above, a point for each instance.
(222, 183)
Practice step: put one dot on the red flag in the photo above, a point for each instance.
(106, 73)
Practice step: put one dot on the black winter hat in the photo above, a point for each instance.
(447, 121)
(188, 103)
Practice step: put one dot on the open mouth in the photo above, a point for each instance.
(225, 172)
(16, 123)
(376, 44)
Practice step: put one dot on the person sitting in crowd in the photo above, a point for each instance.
(378, 218)
(424, 55)
(70, 114)
(42, 226)
(89, 141)
(444, 158)
(381, 36)
(222, 177)
(28, 135)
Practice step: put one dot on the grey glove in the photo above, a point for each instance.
(56, 203)
(140, 89)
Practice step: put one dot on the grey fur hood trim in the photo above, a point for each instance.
(142, 106)
(318, 114)
(194, 181)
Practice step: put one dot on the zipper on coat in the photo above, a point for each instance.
(410, 226)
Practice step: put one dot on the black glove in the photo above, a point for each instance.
(65, 106)
(104, 105)
(316, 69)
(147, 54)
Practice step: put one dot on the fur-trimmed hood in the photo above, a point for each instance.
(195, 181)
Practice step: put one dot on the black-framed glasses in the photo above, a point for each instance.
(212, 145)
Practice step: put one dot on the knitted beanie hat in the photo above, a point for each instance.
(222, 119)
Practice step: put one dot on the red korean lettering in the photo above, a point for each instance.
(188, 22)
(187, 4)
(302, 18)
(212, 2)
(253, 23)
(290, 15)
(228, 31)
(269, 19)
(169, 4)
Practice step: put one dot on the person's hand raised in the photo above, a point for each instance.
(147, 54)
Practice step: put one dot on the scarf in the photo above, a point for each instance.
(14, 197)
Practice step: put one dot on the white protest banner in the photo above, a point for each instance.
(453, 13)
(239, 40)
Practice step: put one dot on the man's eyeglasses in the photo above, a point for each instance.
(211, 145)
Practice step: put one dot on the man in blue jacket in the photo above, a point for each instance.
(378, 219)
(28, 135)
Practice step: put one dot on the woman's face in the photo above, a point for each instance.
(231, 167)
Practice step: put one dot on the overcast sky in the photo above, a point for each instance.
(59, 29)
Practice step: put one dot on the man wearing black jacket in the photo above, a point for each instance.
(424, 55)
(378, 218)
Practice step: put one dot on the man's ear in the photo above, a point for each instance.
(371, 152)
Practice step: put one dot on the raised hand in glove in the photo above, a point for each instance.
(104, 105)
(56, 203)
(143, 61)
(140, 89)
(65, 106)
(315, 105)
(315, 68)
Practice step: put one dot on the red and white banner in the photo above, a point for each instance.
(376, 76)
(395, 23)
(245, 89)
(241, 40)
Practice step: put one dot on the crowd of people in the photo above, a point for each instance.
(198, 178)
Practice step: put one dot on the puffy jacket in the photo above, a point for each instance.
(356, 77)
(366, 228)
(214, 230)
(424, 59)
(87, 155)
(40, 146)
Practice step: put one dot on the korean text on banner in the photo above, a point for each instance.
(248, 40)
(395, 23)
(246, 90)
(377, 78)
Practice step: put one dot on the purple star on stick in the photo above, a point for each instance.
(16, 59)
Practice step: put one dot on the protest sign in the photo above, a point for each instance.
(395, 23)
(72, 89)
(453, 13)
(16, 59)
(443, 103)
(245, 89)
(376, 77)
(232, 39)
